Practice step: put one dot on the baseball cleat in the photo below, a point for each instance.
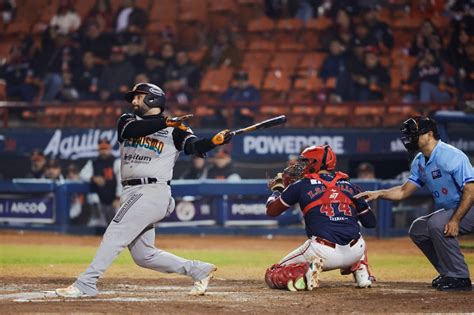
(71, 292)
(362, 277)
(300, 284)
(313, 273)
(200, 286)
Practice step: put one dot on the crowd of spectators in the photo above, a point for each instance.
(99, 56)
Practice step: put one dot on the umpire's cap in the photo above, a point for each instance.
(155, 97)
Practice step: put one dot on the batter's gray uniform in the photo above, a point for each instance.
(146, 170)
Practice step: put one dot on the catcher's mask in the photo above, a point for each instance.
(155, 97)
(412, 128)
(316, 158)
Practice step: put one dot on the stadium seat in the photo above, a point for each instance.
(309, 83)
(277, 80)
(259, 60)
(3, 91)
(288, 29)
(86, 117)
(398, 113)
(256, 76)
(259, 25)
(285, 61)
(192, 11)
(285, 45)
(304, 116)
(367, 116)
(165, 11)
(262, 45)
(83, 8)
(216, 80)
(319, 24)
(335, 116)
(55, 117)
(312, 61)
(110, 116)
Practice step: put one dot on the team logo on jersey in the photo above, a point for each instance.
(146, 143)
(436, 174)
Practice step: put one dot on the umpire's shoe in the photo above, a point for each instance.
(436, 281)
(200, 286)
(455, 284)
(71, 292)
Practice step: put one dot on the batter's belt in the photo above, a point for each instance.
(323, 241)
(141, 181)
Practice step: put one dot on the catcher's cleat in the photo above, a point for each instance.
(71, 292)
(200, 286)
(362, 277)
(313, 273)
(300, 284)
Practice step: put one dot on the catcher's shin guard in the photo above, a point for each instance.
(293, 277)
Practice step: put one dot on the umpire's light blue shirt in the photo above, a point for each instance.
(445, 174)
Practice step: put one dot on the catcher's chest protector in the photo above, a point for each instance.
(333, 195)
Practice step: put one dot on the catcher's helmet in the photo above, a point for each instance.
(318, 158)
(412, 128)
(155, 97)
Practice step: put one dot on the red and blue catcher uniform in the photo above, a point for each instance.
(328, 204)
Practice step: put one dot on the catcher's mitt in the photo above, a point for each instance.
(276, 183)
(292, 173)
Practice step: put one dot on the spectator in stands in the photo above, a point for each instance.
(176, 89)
(19, 76)
(342, 30)
(222, 52)
(140, 78)
(135, 52)
(101, 14)
(116, 77)
(333, 71)
(103, 174)
(167, 58)
(428, 76)
(355, 60)
(246, 96)
(66, 20)
(197, 170)
(68, 92)
(365, 171)
(370, 83)
(187, 71)
(130, 18)
(222, 167)
(427, 38)
(466, 72)
(153, 69)
(95, 41)
(8, 10)
(37, 164)
(86, 78)
(53, 170)
(378, 30)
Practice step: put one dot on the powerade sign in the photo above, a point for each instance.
(27, 208)
(241, 212)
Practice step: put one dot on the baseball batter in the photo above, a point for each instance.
(150, 144)
(331, 214)
(449, 176)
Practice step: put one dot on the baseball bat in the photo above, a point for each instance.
(275, 121)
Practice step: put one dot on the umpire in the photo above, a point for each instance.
(449, 176)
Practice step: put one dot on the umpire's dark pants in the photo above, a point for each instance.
(443, 252)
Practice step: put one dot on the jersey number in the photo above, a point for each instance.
(328, 210)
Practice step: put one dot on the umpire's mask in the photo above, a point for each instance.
(412, 128)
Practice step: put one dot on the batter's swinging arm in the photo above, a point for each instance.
(275, 121)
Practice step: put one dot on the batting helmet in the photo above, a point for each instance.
(318, 158)
(155, 97)
(412, 128)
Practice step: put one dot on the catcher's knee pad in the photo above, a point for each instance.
(291, 277)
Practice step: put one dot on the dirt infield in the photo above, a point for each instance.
(32, 293)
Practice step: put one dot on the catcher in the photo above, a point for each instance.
(331, 215)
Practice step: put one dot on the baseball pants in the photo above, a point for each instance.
(444, 253)
(132, 226)
(342, 256)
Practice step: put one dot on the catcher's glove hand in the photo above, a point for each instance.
(276, 183)
(292, 173)
(222, 137)
(177, 122)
